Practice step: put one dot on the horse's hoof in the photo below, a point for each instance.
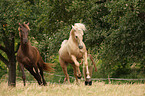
(90, 83)
(86, 82)
(45, 84)
(79, 77)
(24, 84)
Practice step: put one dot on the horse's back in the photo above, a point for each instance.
(63, 47)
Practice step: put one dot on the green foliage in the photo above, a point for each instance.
(124, 42)
(115, 30)
(3, 69)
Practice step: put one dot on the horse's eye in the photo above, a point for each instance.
(76, 36)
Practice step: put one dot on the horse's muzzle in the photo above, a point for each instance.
(25, 40)
(80, 47)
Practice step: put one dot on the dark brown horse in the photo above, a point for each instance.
(29, 57)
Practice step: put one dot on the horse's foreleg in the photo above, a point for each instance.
(23, 73)
(84, 72)
(77, 65)
(88, 78)
(75, 60)
(86, 65)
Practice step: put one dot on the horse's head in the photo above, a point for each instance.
(23, 32)
(78, 29)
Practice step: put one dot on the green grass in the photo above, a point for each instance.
(53, 89)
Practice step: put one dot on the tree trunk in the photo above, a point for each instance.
(12, 64)
(12, 74)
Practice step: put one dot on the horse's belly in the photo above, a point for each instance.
(80, 56)
(66, 58)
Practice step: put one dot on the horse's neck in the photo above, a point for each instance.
(72, 38)
(74, 49)
(71, 33)
(72, 44)
(25, 47)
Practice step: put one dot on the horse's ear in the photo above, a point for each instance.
(19, 29)
(19, 34)
(20, 25)
(73, 27)
(27, 23)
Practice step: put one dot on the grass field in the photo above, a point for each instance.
(97, 89)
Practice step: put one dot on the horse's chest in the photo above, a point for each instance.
(25, 59)
(76, 52)
(79, 56)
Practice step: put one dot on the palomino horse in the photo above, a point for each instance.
(73, 50)
(29, 57)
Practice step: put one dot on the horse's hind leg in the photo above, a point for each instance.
(23, 73)
(42, 75)
(38, 75)
(35, 74)
(75, 72)
(64, 68)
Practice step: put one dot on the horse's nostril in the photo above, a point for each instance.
(80, 47)
(25, 41)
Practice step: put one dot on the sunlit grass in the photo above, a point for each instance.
(97, 89)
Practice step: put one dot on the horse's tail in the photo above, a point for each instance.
(47, 66)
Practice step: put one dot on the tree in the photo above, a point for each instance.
(7, 39)
(124, 41)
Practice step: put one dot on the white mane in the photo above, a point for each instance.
(80, 26)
